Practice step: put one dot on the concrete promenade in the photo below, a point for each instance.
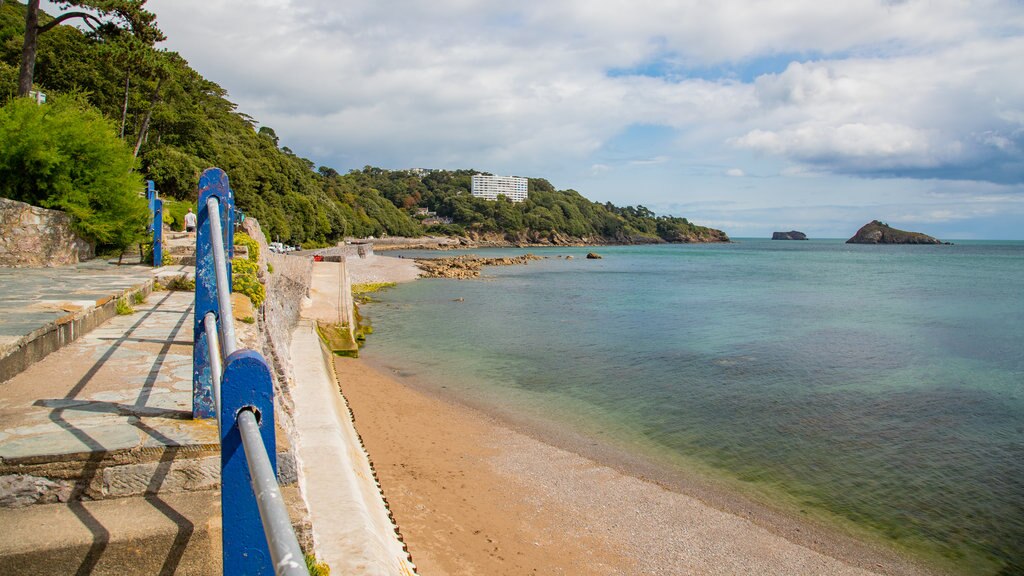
(102, 468)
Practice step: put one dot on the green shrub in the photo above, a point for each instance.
(139, 298)
(174, 213)
(65, 155)
(254, 247)
(245, 281)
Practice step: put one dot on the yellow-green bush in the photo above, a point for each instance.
(252, 245)
(245, 281)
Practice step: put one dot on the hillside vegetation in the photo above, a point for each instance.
(184, 123)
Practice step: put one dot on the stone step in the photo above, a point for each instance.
(104, 475)
(155, 534)
(176, 534)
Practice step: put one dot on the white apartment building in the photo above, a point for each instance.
(489, 187)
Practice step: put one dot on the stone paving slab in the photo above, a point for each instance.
(124, 386)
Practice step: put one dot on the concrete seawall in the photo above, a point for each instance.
(352, 527)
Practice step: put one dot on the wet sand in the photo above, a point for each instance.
(474, 495)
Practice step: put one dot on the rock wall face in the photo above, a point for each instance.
(31, 236)
(287, 286)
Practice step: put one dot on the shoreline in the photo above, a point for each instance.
(439, 458)
(753, 536)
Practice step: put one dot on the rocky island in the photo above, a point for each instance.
(791, 235)
(876, 232)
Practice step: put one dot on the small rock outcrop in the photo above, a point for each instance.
(876, 232)
(466, 266)
(791, 235)
(593, 256)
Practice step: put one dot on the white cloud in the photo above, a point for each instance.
(920, 88)
(735, 173)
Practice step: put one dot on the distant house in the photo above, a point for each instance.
(490, 187)
(423, 212)
(434, 220)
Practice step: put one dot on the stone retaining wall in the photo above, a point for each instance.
(31, 236)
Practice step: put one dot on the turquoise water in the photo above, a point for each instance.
(883, 385)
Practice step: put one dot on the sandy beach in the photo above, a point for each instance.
(476, 494)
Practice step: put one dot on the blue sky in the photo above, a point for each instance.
(747, 116)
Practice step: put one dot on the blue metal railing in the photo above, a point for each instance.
(156, 223)
(235, 387)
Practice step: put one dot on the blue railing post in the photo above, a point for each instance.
(246, 384)
(150, 198)
(158, 232)
(213, 183)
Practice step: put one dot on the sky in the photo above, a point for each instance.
(749, 116)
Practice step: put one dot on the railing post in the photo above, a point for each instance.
(213, 183)
(150, 198)
(246, 384)
(158, 232)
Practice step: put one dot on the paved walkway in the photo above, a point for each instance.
(31, 298)
(125, 385)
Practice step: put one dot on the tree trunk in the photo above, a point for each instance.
(149, 114)
(28, 50)
(124, 108)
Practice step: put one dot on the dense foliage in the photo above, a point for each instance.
(65, 155)
(183, 123)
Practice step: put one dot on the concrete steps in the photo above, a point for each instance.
(176, 534)
(158, 534)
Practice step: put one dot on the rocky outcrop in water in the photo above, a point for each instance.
(466, 266)
(791, 235)
(593, 256)
(876, 232)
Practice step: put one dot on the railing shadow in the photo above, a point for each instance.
(100, 534)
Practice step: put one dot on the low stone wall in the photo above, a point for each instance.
(337, 253)
(31, 236)
(287, 286)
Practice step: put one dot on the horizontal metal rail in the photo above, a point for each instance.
(216, 365)
(284, 546)
(220, 266)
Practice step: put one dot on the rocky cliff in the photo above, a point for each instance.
(791, 235)
(876, 232)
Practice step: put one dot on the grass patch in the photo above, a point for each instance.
(181, 283)
(124, 308)
(338, 339)
(361, 292)
(139, 297)
(316, 567)
(270, 268)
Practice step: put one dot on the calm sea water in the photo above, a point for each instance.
(880, 385)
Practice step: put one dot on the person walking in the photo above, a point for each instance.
(190, 222)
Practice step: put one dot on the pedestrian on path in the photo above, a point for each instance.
(190, 222)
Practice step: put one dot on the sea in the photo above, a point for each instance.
(876, 387)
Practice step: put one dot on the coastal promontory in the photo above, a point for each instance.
(876, 232)
(791, 235)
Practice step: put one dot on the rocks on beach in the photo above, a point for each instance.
(467, 266)
(593, 256)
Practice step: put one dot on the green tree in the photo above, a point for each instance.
(105, 18)
(65, 155)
